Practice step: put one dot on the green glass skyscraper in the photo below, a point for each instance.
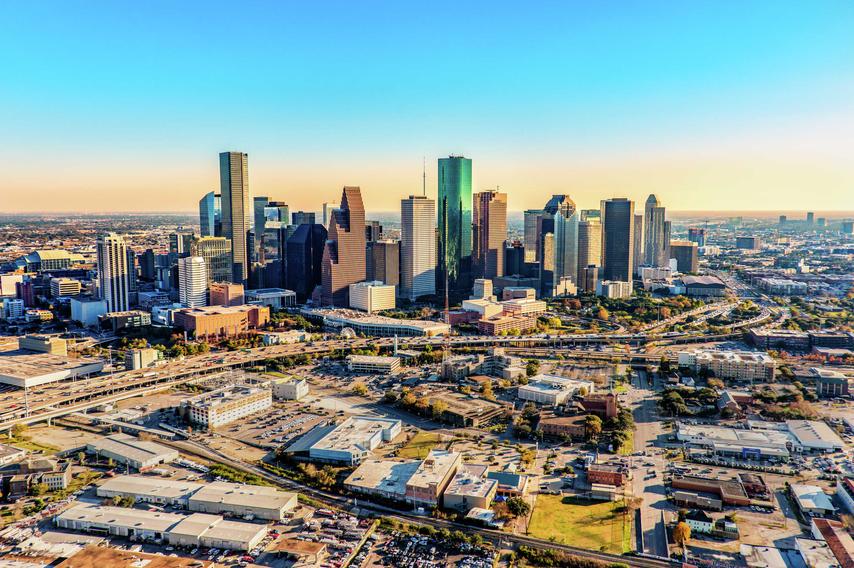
(454, 217)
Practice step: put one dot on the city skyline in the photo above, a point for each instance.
(576, 99)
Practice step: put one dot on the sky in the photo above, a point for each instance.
(124, 106)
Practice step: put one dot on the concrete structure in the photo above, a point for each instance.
(113, 272)
(196, 530)
(130, 319)
(236, 211)
(518, 292)
(383, 262)
(374, 325)
(524, 307)
(43, 344)
(811, 500)
(227, 404)
(730, 492)
(382, 478)
(373, 364)
(685, 253)
(489, 231)
(704, 286)
(221, 321)
(551, 390)
(275, 298)
(226, 294)
(614, 289)
(466, 491)
(498, 325)
(566, 220)
(192, 282)
(290, 388)
(141, 358)
(352, 440)
(64, 287)
(87, 310)
(137, 454)
(11, 454)
(738, 365)
(210, 214)
(26, 369)
(372, 296)
(748, 243)
(737, 442)
(814, 436)
(344, 255)
(589, 250)
(417, 247)
(433, 475)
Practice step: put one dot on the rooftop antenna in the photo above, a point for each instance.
(424, 176)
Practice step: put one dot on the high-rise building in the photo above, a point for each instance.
(810, 218)
(417, 247)
(302, 218)
(455, 234)
(532, 226)
(373, 231)
(277, 212)
(383, 262)
(566, 242)
(271, 261)
(783, 220)
(113, 284)
(514, 259)
(545, 254)
(180, 242)
(147, 265)
(489, 231)
(637, 253)
(328, 207)
(226, 294)
(848, 227)
(344, 255)
(133, 278)
(697, 235)
(217, 254)
(589, 279)
(589, 245)
(304, 254)
(685, 253)
(192, 282)
(234, 181)
(210, 214)
(618, 218)
(654, 234)
(259, 221)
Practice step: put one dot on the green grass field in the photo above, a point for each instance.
(35, 446)
(420, 445)
(587, 524)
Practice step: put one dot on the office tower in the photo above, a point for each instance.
(482, 289)
(618, 218)
(113, 282)
(545, 255)
(226, 294)
(810, 218)
(821, 222)
(566, 242)
(532, 223)
(383, 262)
(848, 227)
(489, 231)
(455, 218)
(272, 255)
(327, 212)
(344, 255)
(373, 231)
(147, 265)
(589, 278)
(216, 251)
(259, 204)
(302, 218)
(192, 282)
(417, 247)
(210, 214)
(637, 253)
(133, 277)
(304, 252)
(26, 292)
(685, 253)
(180, 242)
(277, 212)
(234, 181)
(783, 220)
(654, 234)
(514, 259)
(667, 240)
(589, 244)
(697, 235)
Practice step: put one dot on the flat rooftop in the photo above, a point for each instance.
(258, 496)
(102, 556)
(383, 476)
(224, 396)
(812, 432)
(811, 497)
(354, 433)
(552, 383)
(433, 469)
(372, 359)
(143, 519)
(215, 527)
(130, 447)
(469, 485)
(22, 364)
(151, 486)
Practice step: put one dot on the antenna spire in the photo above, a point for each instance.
(424, 176)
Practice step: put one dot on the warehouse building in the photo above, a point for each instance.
(349, 442)
(26, 369)
(812, 500)
(197, 529)
(137, 454)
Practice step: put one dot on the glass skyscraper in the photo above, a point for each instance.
(618, 234)
(209, 214)
(455, 218)
(236, 214)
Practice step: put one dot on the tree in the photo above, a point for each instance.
(39, 489)
(592, 427)
(438, 408)
(673, 403)
(681, 533)
(715, 384)
(81, 457)
(532, 368)
(19, 430)
(360, 389)
(518, 507)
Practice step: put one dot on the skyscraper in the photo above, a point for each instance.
(210, 214)
(654, 234)
(344, 255)
(192, 282)
(302, 217)
(685, 253)
(328, 207)
(532, 224)
(383, 262)
(234, 181)
(618, 218)
(417, 247)
(489, 231)
(216, 251)
(304, 252)
(180, 242)
(545, 253)
(373, 231)
(113, 284)
(697, 235)
(637, 253)
(277, 211)
(455, 218)
(259, 204)
(589, 246)
(566, 242)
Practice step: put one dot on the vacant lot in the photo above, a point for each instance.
(420, 445)
(586, 524)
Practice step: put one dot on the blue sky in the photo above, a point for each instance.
(713, 105)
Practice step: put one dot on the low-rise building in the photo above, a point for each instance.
(373, 364)
(129, 319)
(510, 484)
(290, 388)
(603, 405)
(704, 286)
(811, 500)
(227, 404)
(607, 474)
(44, 344)
(614, 289)
(503, 324)
(25, 369)
(467, 490)
(730, 492)
(429, 481)
(284, 337)
(275, 298)
(137, 454)
(372, 296)
(845, 493)
(552, 390)
(830, 383)
(737, 365)
(226, 294)
(524, 307)
(554, 426)
(837, 538)
(141, 358)
(11, 454)
(349, 442)
(220, 321)
(700, 522)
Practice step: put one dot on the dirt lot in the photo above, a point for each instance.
(59, 437)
